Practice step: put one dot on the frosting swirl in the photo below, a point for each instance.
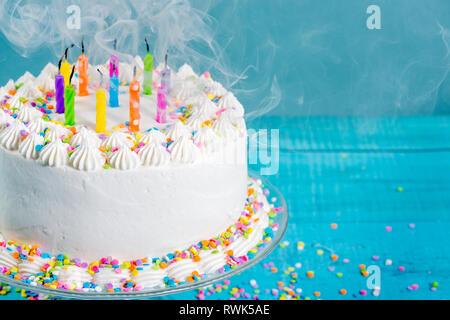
(201, 104)
(150, 276)
(114, 276)
(177, 130)
(4, 119)
(6, 258)
(230, 102)
(28, 113)
(85, 136)
(183, 151)
(225, 128)
(12, 135)
(37, 125)
(206, 139)
(72, 275)
(153, 136)
(54, 154)
(212, 260)
(87, 157)
(27, 147)
(154, 155)
(32, 265)
(124, 159)
(186, 71)
(56, 132)
(180, 270)
(118, 139)
(29, 91)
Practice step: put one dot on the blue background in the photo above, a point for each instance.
(360, 113)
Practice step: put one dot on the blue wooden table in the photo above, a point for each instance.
(372, 192)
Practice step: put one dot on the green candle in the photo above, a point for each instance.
(148, 71)
(69, 97)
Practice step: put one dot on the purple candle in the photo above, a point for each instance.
(59, 88)
(165, 77)
(114, 60)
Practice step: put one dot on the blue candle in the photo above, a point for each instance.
(114, 90)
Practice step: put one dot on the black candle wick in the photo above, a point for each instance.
(67, 50)
(71, 74)
(146, 43)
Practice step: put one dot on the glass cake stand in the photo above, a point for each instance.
(281, 218)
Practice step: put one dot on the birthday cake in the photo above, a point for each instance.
(149, 190)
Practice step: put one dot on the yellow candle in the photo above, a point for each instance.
(66, 69)
(101, 111)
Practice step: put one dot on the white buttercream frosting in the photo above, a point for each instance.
(180, 270)
(225, 128)
(29, 91)
(55, 153)
(26, 77)
(183, 151)
(4, 119)
(177, 130)
(12, 135)
(56, 132)
(85, 136)
(114, 276)
(72, 275)
(230, 102)
(118, 139)
(124, 159)
(6, 258)
(27, 147)
(196, 120)
(186, 71)
(150, 277)
(32, 265)
(37, 125)
(87, 157)
(211, 262)
(185, 90)
(201, 104)
(206, 139)
(153, 136)
(154, 154)
(28, 113)
(10, 85)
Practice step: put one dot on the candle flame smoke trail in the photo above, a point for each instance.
(182, 27)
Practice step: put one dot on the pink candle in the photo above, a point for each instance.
(161, 111)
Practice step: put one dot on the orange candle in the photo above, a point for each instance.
(135, 114)
(83, 73)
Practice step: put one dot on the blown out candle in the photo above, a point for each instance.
(161, 111)
(165, 77)
(114, 63)
(101, 111)
(83, 63)
(135, 115)
(59, 90)
(69, 97)
(66, 68)
(148, 71)
(114, 90)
